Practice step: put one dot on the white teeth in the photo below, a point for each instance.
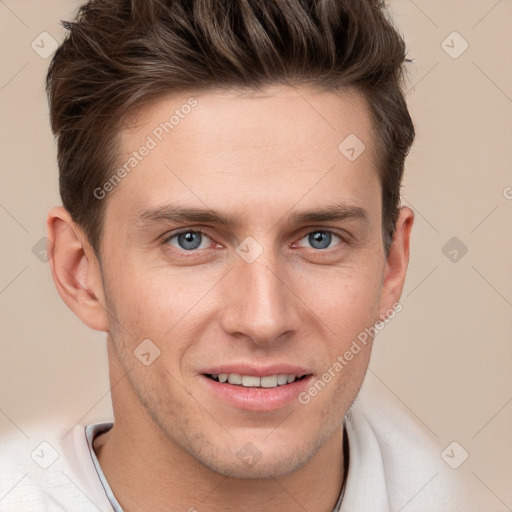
(282, 379)
(234, 378)
(250, 381)
(269, 382)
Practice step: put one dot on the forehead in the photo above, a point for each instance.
(274, 116)
(226, 149)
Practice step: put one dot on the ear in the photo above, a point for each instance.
(75, 269)
(397, 262)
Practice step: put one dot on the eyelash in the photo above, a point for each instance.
(167, 239)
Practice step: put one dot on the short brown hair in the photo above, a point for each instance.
(120, 54)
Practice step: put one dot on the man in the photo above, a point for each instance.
(230, 175)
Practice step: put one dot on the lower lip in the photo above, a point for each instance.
(257, 399)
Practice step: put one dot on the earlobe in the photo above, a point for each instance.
(75, 269)
(397, 261)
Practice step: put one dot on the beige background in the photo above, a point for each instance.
(447, 356)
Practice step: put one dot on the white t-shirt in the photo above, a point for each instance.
(393, 466)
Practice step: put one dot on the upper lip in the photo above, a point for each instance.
(256, 371)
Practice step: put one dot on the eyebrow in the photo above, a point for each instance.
(177, 214)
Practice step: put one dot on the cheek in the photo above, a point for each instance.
(347, 300)
(155, 298)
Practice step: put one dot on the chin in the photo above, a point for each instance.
(250, 462)
(262, 469)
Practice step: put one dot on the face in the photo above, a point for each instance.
(244, 245)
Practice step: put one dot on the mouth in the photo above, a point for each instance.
(256, 389)
(253, 381)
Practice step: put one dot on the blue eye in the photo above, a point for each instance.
(188, 240)
(320, 239)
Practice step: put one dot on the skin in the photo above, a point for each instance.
(259, 156)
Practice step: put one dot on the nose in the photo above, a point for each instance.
(261, 305)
